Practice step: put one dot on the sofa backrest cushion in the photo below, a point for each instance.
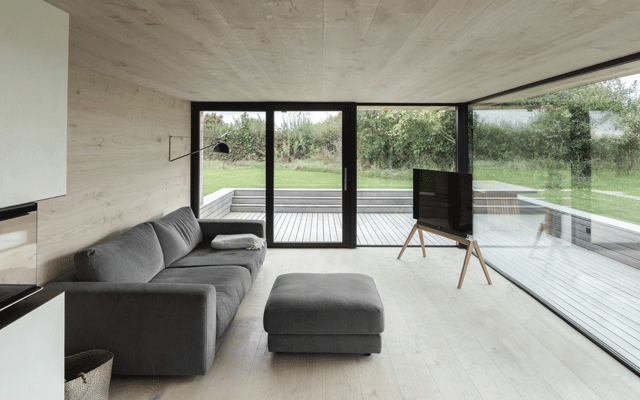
(134, 256)
(178, 233)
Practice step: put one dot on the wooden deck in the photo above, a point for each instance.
(388, 229)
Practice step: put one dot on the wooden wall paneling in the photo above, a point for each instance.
(119, 172)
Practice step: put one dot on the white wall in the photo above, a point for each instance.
(34, 53)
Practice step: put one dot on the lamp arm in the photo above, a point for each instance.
(217, 142)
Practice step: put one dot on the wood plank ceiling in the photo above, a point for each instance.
(404, 51)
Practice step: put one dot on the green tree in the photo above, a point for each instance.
(405, 139)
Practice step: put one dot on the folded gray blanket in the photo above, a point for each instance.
(239, 241)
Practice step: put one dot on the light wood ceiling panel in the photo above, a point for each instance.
(400, 51)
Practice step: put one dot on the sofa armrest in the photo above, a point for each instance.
(151, 328)
(212, 227)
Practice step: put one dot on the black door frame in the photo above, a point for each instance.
(349, 164)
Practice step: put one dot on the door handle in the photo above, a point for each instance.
(344, 180)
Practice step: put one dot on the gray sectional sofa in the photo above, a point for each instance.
(158, 296)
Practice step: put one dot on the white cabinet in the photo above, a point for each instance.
(32, 348)
(34, 58)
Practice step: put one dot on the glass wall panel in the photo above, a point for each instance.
(233, 185)
(307, 176)
(391, 142)
(557, 204)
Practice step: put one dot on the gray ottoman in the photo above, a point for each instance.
(324, 313)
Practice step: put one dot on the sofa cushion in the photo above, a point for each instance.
(178, 233)
(204, 255)
(231, 282)
(134, 256)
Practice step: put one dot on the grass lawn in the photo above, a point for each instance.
(601, 179)
(612, 206)
(608, 205)
(215, 179)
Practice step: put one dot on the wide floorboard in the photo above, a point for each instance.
(479, 342)
(595, 292)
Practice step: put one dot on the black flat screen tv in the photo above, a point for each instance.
(443, 201)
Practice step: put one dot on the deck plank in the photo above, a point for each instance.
(338, 219)
(381, 229)
(328, 234)
(386, 229)
(369, 234)
(295, 228)
(398, 229)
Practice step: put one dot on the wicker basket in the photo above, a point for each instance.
(87, 375)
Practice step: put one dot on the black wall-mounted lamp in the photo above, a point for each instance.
(218, 147)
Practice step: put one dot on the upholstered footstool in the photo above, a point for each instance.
(324, 313)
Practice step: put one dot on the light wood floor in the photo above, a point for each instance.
(479, 342)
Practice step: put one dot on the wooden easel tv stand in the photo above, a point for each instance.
(471, 244)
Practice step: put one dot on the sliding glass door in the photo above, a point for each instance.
(308, 177)
(288, 164)
(233, 184)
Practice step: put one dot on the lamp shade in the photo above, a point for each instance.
(221, 148)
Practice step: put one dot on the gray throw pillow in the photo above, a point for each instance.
(178, 233)
(134, 256)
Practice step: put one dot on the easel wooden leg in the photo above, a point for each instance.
(484, 266)
(473, 245)
(413, 231)
(465, 265)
